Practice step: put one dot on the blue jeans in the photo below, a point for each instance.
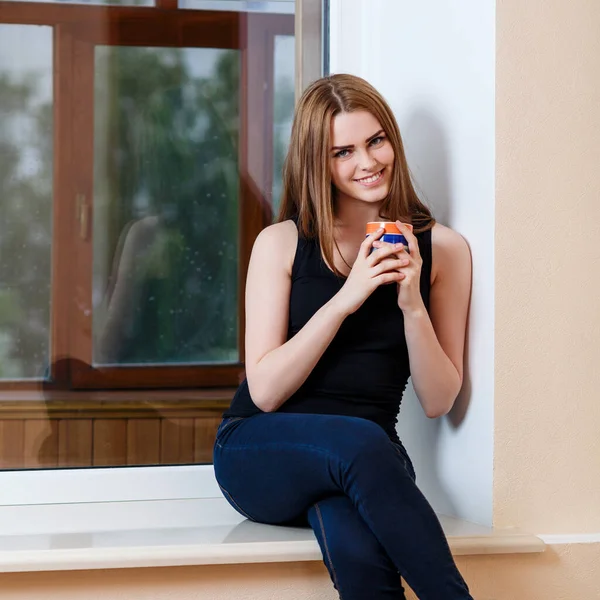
(356, 489)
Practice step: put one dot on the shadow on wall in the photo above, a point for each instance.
(428, 157)
(427, 152)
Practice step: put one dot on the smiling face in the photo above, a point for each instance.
(361, 158)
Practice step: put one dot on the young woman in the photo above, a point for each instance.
(336, 323)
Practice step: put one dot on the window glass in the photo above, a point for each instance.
(166, 205)
(283, 112)
(139, 159)
(26, 128)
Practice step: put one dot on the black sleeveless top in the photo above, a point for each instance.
(365, 369)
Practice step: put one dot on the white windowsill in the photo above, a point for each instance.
(162, 533)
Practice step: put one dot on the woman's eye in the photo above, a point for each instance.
(342, 153)
(378, 140)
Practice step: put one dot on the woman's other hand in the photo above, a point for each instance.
(370, 270)
(409, 286)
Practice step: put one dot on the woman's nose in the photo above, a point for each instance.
(367, 162)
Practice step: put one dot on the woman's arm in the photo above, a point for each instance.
(276, 368)
(436, 340)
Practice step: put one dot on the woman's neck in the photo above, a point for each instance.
(351, 217)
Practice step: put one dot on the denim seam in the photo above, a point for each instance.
(401, 455)
(407, 466)
(235, 504)
(280, 445)
(228, 425)
(329, 560)
(368, 520)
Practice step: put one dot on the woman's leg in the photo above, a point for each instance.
(357, 563)
(274, 466)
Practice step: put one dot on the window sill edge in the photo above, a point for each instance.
(221, 537)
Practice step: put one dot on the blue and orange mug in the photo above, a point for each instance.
(391, 235)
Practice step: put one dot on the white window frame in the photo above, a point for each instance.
(122, 484)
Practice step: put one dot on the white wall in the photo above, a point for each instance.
(434, 61)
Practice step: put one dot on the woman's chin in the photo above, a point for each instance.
(373, 196)
(370, 196)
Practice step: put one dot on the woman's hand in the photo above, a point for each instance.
(370, 270)
(409, 286)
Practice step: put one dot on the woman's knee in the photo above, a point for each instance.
(367, 439)
(344, 536)
(351, 552)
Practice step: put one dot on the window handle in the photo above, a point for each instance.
(83, 216)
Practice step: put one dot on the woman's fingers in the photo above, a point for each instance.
(389, 277)
(384, 250)
(367, 244)
(407, 232)
(390, 264)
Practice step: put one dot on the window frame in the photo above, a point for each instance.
(77, 29)
(186, 29)
(60, 485)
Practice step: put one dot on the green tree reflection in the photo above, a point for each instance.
(168, 175)
(25, 227)
(166, 181)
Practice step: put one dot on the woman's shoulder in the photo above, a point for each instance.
(445, 237)
(448, 249)
(277, 242)
(279, 234)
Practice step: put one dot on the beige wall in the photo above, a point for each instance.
(562, 573)
(297, 581)
(547, 400)
(547, 396)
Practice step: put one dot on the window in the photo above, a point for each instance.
(141, 146)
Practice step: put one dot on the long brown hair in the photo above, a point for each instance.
(308, 191)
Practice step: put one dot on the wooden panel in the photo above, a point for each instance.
(127, 24)
(177, 441)
(75, 443)
(12, 443)
(84, 375)
(110, 442)
(109, 428)
(113, 405)
(48, 452)
(63, 208)
(256, 145)
(80, 314)
(166, 29)
(30, 385)
(205, 431)
(166, 4)
(143, 442)
(41, 443)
